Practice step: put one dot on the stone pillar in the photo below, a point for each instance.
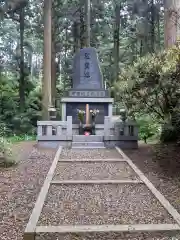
(63, 112)
(106, 126)
(136, 131)
(126, 129)
(46, 83)
(69, 127)
(110, 110)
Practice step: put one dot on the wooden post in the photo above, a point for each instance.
(46, 84)
(87, 114)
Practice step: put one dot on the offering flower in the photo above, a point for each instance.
(94, 112)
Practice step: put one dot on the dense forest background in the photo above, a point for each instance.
(137, 43)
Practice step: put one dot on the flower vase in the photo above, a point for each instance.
(93, 125)
(80, 128)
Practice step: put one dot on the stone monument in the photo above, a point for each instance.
(88, 88)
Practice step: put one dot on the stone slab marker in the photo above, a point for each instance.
(69, 126)
(86, 70)
(107, 121)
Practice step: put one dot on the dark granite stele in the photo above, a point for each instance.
(88, 88)
(86, 70)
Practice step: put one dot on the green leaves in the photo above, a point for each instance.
(153, 85)
(147, 128)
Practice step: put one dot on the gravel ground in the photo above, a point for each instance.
(89, 153)
(161, 165)
(21, 184)
(19, 188)
(94, 171)
(102, 204)
(111, 236)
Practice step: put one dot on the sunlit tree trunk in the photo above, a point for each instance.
(87, 23)
(116, 41)
(76, 36)
(172, 22)
(158, 31)
(53, 61)
(22, 77)
(152, 22)
(46, 84)
(82, 28)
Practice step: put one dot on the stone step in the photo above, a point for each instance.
(87, 145)
(91, 138)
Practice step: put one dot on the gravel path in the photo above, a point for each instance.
(19, 188)
(83, 204)
(102, 204)
(89, 154)
(94, 171)
(110, 236)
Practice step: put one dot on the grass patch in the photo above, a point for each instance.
(21, 138)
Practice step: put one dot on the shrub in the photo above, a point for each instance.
(169, 134)
(147, 129)
(10, 116)
(6, 157)
(151, 86)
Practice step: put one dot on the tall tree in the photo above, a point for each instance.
(172, 22)
(53, 56)
(46, 83)
(87, 22)
(22, 75)
(116, 40)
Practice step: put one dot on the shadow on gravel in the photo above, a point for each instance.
(165, 157)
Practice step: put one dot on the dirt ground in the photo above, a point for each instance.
(161, 165)
(20, 186)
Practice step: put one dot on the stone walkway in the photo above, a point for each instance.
(100, 194)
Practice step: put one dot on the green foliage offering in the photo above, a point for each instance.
(152, 86)
(81, 114)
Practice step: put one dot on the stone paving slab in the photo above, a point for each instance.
(102, 204)
(89, 154)
(94, 171)
(110, 236)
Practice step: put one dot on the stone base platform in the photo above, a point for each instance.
(91, 138)
(88, 144)
(92, 141)
(91, 145)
